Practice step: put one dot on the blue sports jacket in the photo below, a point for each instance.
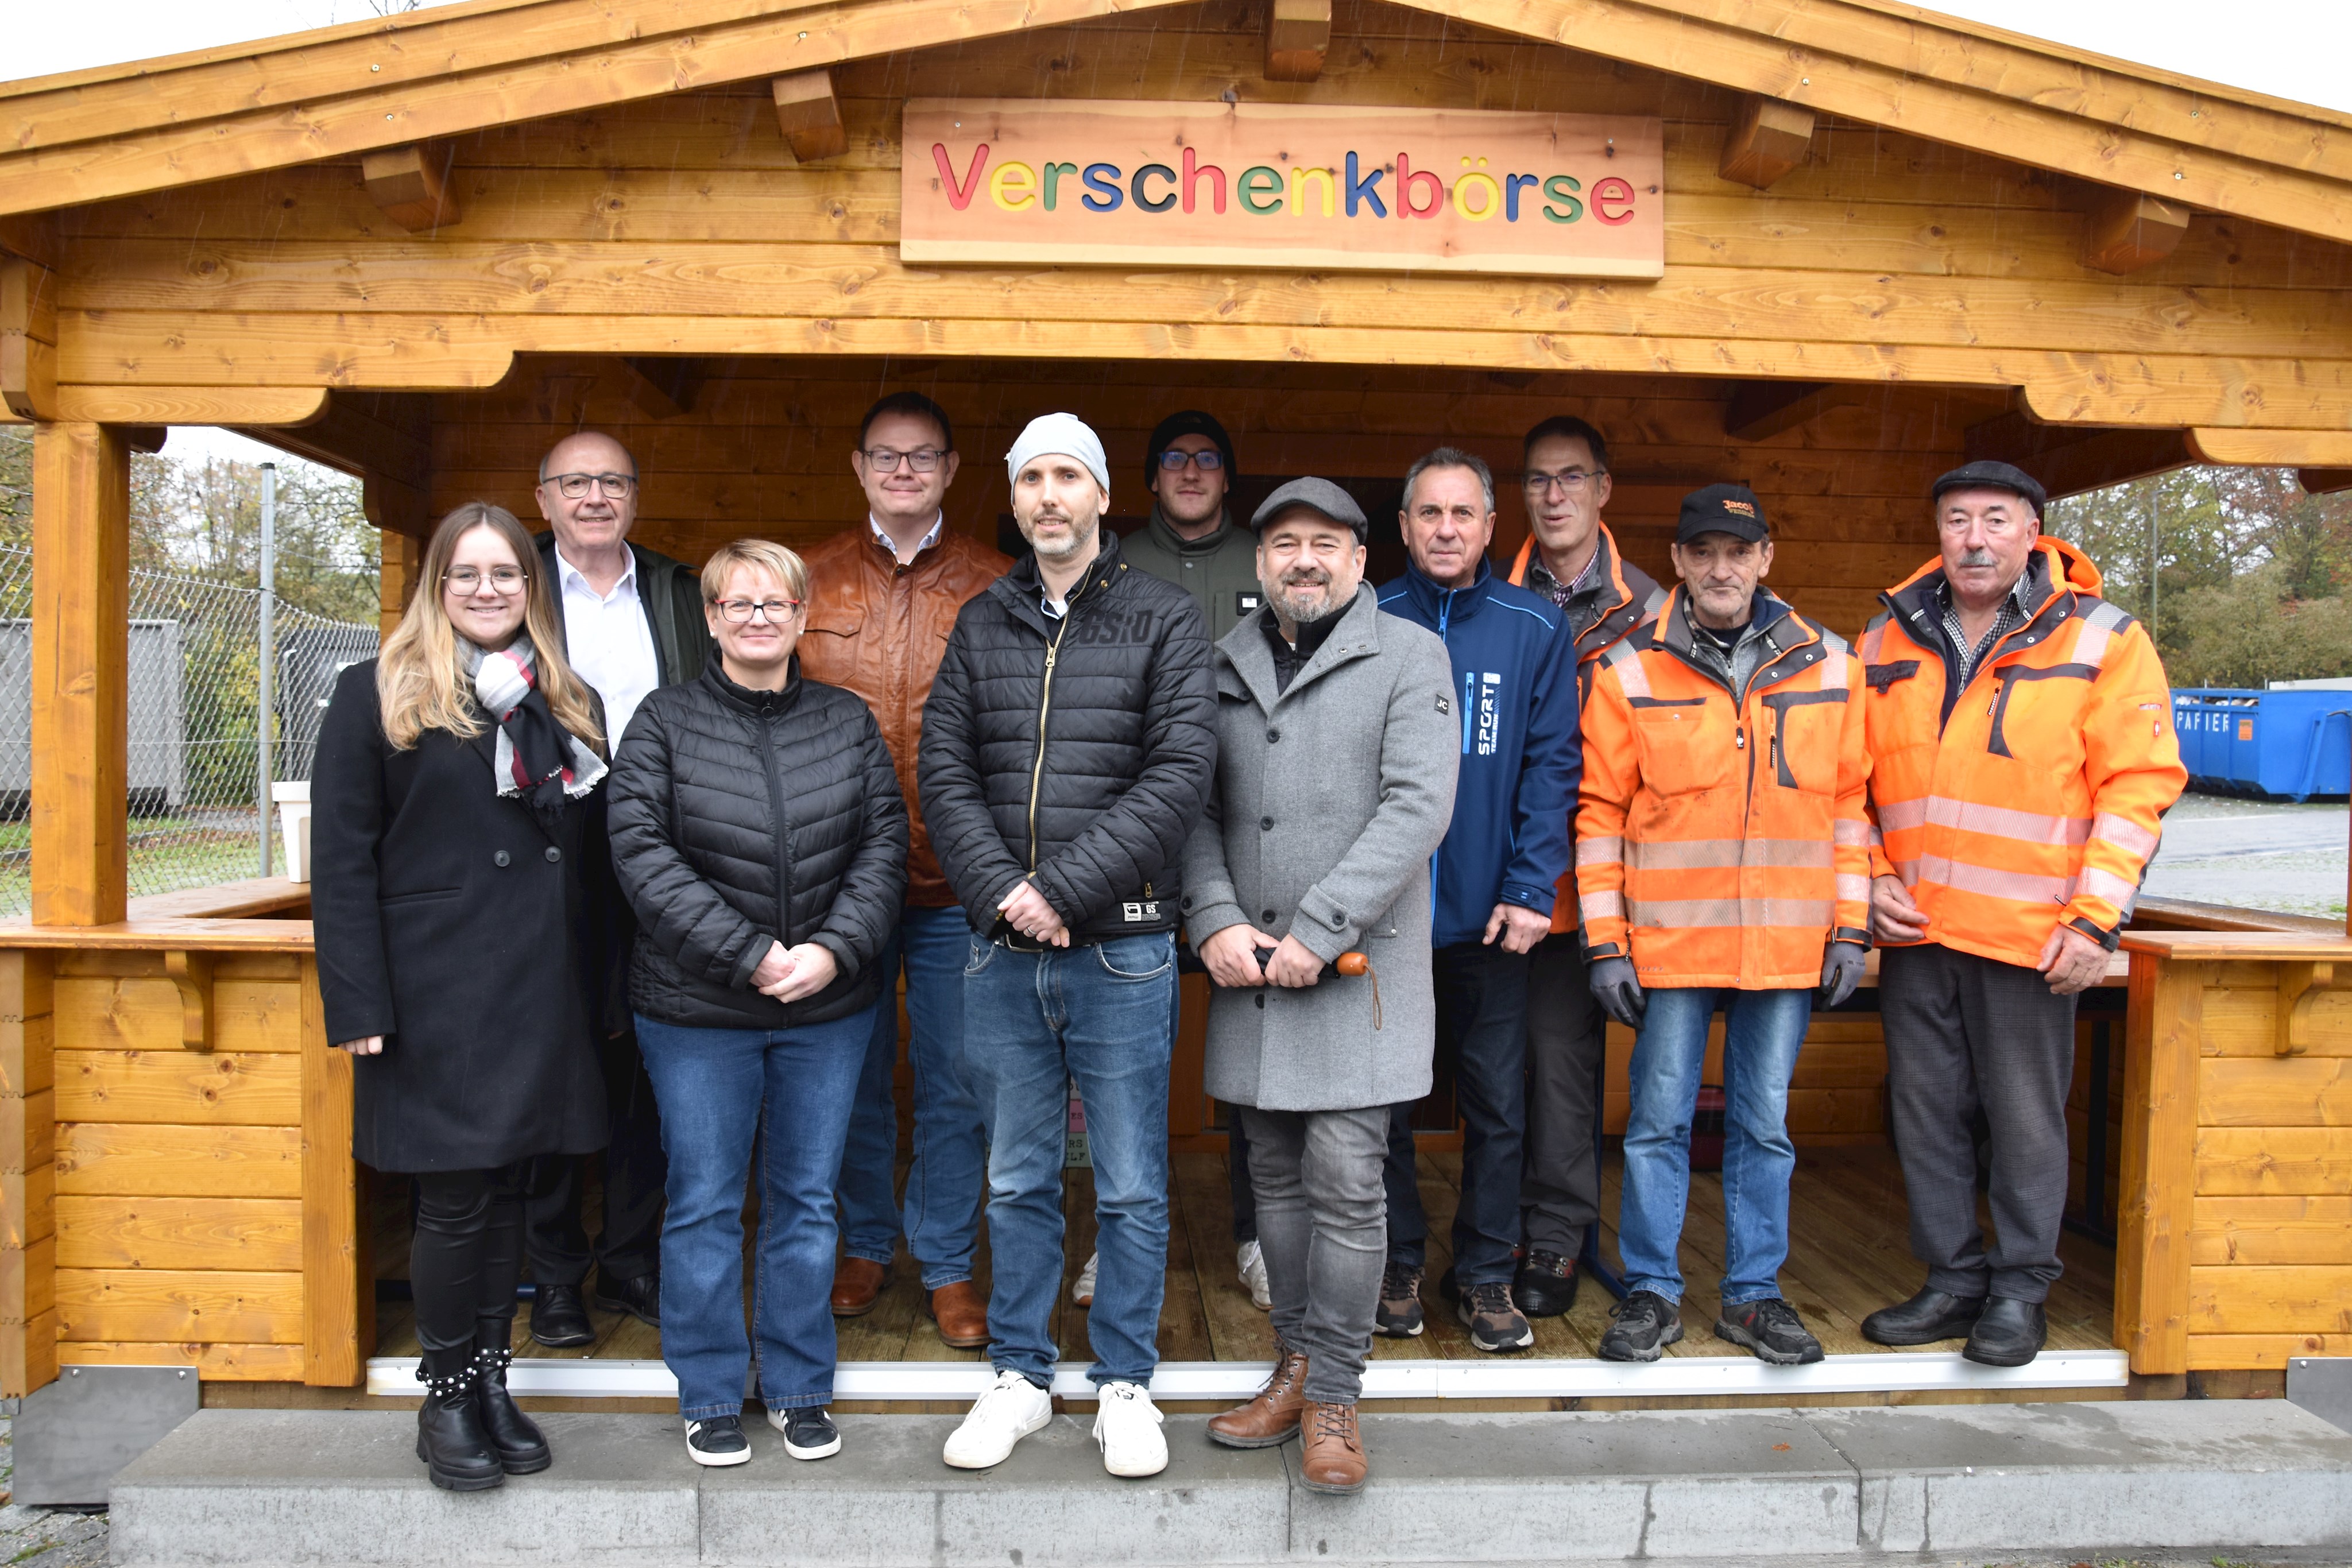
(1514, 690)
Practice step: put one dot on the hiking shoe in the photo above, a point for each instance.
(1641, 1327)
(1083, 1293)
(809, 1432)
(1011, 1409)
(1249, 1261)
(1544, 1286)
(1126, 1428)
(1399, 1314)
(1772, 1330)
(1495, 1323)
(717, 1440)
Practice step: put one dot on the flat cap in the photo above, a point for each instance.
(1721, 509)
(1988, 475)
(1316, 496)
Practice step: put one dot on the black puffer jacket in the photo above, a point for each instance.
(1089, 766)
(722, 800)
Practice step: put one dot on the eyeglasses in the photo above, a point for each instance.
(507, 580)
(571, 487)
(737, 611)
(1207, 462)
(1574, 479)
(884, 459)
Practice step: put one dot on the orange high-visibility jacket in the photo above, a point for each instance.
(1723, 845)
(2033, 795)
(1629, 596)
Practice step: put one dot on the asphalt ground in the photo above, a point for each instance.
(2254, 855)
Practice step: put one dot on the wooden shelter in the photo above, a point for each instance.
(421, 248)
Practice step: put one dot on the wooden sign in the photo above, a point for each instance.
(1283, 185)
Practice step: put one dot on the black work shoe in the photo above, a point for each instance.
(1930, 1315)
(522, 1447)
(2010, 1333)
(809, 1432)
(1449, 1288)
(559, 1319)
(457, 1452)
(1544, 1286)
(1770, 1328)
(717, 1440)
(1641, 1327)
(1496, 1325)
(640, 1298)
(1399, 1314)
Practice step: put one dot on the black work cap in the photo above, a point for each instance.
(1317, 496)
(1988, 475)
(1187, 422)
(1721, 509)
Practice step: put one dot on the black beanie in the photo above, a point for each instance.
(1188, 422)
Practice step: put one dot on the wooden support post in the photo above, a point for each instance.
(402, 558)
(2158, 1204)
(81, 655)
(29, 1184)
(338, 1300)
(809, 114)
(29, 339)
(2128, 231)
(1297, 38)
(191, 974)
(410, 184)
(1769, 138)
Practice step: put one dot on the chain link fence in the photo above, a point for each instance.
(196, 683)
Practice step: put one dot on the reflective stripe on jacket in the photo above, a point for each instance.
(1629, 596)
(1725, 844)
(2038, 800)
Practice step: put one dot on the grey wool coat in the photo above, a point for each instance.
(1330, 799)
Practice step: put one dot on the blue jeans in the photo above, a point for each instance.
(1762, 1031)
(719, 1089)
(1034, 1022)
(943, 1212)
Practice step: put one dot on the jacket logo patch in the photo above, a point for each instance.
(1445, 702)
(1882, 676)
(1246, 603)
(1147, 910)
(1490, 713)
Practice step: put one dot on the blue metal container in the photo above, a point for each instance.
(2278, 745)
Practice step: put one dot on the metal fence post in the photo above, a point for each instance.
(265, 712)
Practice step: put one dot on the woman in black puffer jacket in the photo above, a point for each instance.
(760, 833)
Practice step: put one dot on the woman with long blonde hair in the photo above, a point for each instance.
(455, 848)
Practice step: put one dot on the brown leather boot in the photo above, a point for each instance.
(1272, 1419)
(961, 1315)
(1332, 1458)
(858, 1284)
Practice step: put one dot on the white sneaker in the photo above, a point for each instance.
(1011, 1409)
(1127, 1426)
(1083, 1293)
(1251, 1261)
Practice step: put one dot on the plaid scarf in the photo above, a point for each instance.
(538, 759)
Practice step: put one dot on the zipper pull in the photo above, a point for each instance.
(1740, 738)
(1050, 650)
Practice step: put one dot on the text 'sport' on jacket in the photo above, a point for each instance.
(2039, 799)
(1723, 844)
(1627, 597)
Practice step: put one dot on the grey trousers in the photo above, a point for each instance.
(1560, 1190)
(1322, 1223)
(1965, 1033)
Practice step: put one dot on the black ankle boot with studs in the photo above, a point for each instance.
(449, 1437)
(521, 1446)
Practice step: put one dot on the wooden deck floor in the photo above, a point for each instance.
(1848, 1256)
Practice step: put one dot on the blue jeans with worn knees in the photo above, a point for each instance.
(940, 1218)
(1035, 1022)
(721, 1090)
(1762, 1032)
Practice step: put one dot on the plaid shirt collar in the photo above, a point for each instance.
(2011, 614)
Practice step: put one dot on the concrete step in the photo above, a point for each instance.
(255, 1487)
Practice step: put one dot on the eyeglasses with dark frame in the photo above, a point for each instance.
(884, 459)
(1570, 480)
(737, 612)
(572, 486)
(1208, 460)
(505, 579)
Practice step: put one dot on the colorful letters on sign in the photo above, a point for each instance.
(1283, 185)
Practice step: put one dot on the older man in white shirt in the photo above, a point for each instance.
(631, 621)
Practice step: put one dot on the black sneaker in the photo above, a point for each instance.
(1449, 1288)
(1544, 1286)
(1641, 1327)
(809, 1432)
(1399, 1314)
(1496, 1325)
(717, 1440)
(1772, 1330)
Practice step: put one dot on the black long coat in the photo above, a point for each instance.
(449, 921)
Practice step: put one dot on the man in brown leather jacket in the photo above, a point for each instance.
(883, 597)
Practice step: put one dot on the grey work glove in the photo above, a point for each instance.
(1617, 991)
(1842, 967)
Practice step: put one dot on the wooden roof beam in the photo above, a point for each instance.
(808, 112)
(411, 183)
(1760, 411)
(2273, 449)
(664, 388)
(2128, 230)
(2324, 481)
(1298, 38)
(2070, 459)
(347, 438)
(1769, 138)
(29, 339)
